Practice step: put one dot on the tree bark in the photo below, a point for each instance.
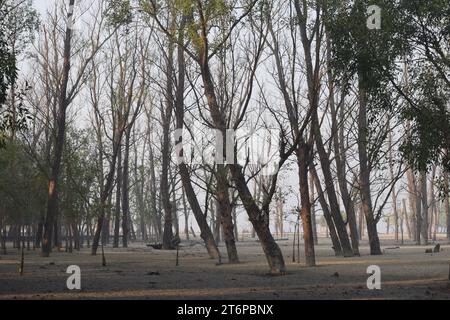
(407, 220)
(364, 179)
(125, 189)
(424, 201)
(331, 192)
(361, 223)
(313, 211)
(205, 231)
(447, 202)
(39, 232)
(271, 249)
(432, 206)
(394, 192)
(166, 118)
(175, 218)
(118, 200)
(60, 125)
(224, 209)
(412, 199)
(236, 232)
(304, 160)
(186, 216)
(215, 219)
(327, 215)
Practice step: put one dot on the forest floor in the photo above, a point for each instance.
(144, 273)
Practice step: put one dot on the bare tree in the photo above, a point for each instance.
(202, 54)
(126, 101)
(66, 95)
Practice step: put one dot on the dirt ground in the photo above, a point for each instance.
(144, 273)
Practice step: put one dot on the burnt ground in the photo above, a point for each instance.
(144, 273)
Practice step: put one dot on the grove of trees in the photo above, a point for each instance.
(104, 104)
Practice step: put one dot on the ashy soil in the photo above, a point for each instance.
(144, 273)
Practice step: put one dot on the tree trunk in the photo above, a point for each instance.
(388, 224)
(432, 206)
(447, 202)
(361, 222)
(139, 177)
(132, 233)
(57, 235)
(39, 233)
(418, 220)
(407, 220)
(60, 127)
(236, 232)
(215, 219)
(186, 215)
(166, 117)
(402, 219)
(331, 192)
(313, 210)
(176, 222)
(327, 215)
(76, 235)
(436, 220)
(424, 201)
(125, 189)
(106, 232)
(394, 192)
(304, 159)
(119, 185)
(224, 210)
(4, 234)
(364, 178)
(205, 231)
(153, 201)
(271, 249)
(28, 237)
(412, 200)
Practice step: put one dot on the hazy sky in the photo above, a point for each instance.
(43, 5)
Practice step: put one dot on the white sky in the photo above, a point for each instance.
(43, 5)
